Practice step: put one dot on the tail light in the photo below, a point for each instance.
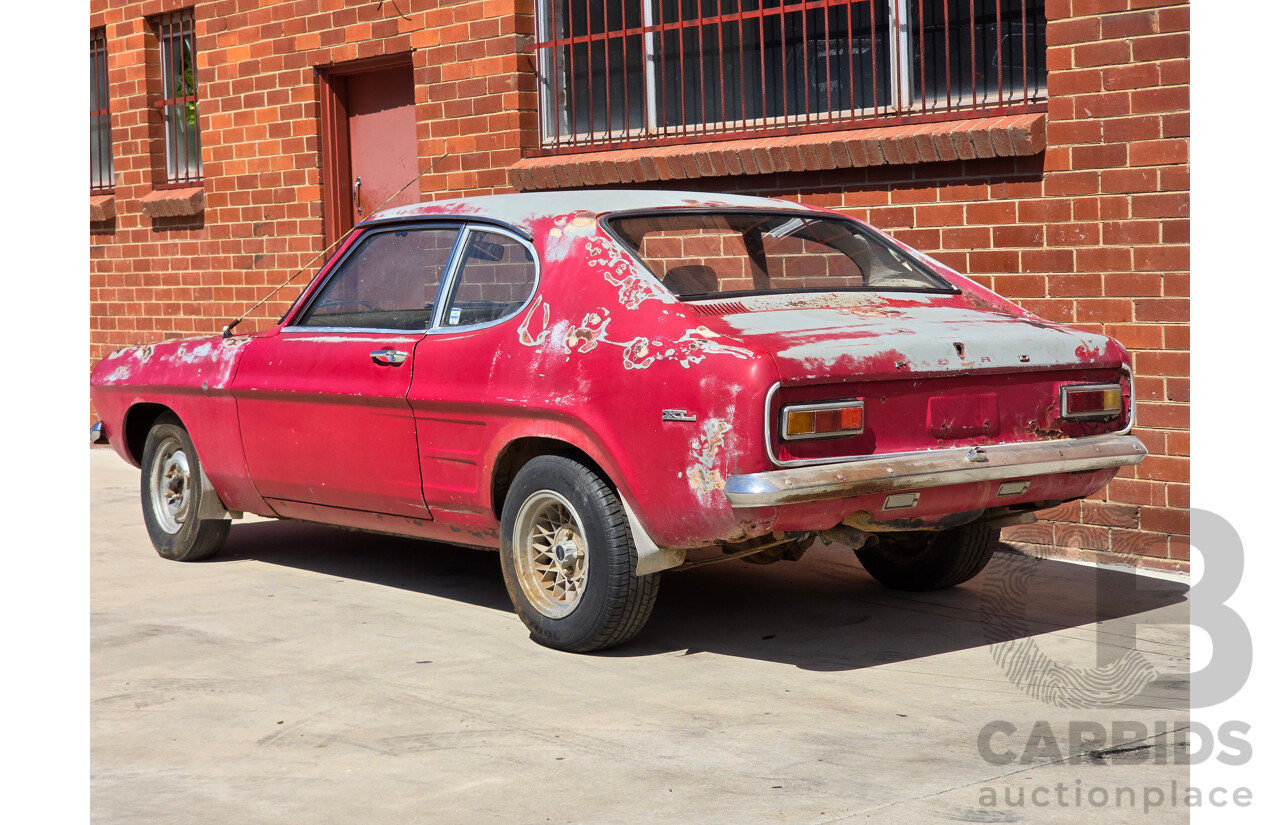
(1096, 401)
(829, 420)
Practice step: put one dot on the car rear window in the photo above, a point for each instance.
(703, 255)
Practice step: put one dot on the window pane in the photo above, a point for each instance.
(100, 162)
(598, 83)
(181, 116)
(388, 282)
(983, 47)
(497, 276)
(709, 64)
(699, 256)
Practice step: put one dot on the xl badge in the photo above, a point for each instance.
(678, 415)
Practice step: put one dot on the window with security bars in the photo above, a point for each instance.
(101, 172)
(179, 104)
(666, 70)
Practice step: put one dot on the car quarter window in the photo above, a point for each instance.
(389, 281)
(496, 275)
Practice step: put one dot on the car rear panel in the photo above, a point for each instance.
(932, 371)
(906, 414)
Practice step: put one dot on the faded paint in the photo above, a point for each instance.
(211, 359)
(924, 338)
(523, 210)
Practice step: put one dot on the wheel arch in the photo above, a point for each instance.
(520, 451)
(138, 421)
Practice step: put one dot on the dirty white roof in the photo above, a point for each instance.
(521, 209)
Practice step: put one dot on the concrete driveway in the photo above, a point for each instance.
(314, 675)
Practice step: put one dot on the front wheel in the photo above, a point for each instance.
(171, 493)
(930, 561)
(568, 559)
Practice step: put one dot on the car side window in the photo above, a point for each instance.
(496, 275)
(389, 281)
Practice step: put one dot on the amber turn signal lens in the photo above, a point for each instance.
(822, 420)
(1092, 401)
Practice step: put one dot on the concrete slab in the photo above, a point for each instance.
(311, 674)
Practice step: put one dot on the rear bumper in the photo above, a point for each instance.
(932, 468)
(97, 435)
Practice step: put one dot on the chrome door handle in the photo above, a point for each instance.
(355, 194)
(390, 357)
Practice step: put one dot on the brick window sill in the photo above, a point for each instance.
(173, 203)
(102, 208)
(994, 137)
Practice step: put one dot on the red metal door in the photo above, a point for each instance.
(368, 140)
(384, 142)
(323, 422)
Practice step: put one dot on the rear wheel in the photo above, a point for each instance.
(171, 495)
(930, 561)
(568, 559)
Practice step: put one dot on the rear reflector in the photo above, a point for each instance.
(830, 420)
(1092, 401)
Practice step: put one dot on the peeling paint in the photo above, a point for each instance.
(641, 352)
(544, 330)
(634, 287)
(703, 476)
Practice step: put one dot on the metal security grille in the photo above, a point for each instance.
(671, 71)
(180, 105)
(101, 176)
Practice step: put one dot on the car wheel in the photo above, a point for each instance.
(924, 561)
(568, 559)
(171, 494)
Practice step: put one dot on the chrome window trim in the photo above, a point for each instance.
(402, 333)
(1125, 370)
(449, 281)
(369, 232)
(818, 407)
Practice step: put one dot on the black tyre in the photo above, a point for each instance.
(171, 495)
(568, 559)
(930, 561)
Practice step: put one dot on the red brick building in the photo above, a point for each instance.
(1040, 146)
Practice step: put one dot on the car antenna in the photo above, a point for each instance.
(226, 331)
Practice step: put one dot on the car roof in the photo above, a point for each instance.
(522, 209)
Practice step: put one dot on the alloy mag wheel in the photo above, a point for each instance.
(550, 554)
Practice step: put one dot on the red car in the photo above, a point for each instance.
(604, 385)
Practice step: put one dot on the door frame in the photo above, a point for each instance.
(335, 137)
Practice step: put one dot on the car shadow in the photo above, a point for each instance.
(821, 613)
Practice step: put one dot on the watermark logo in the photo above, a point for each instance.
(1122, 671)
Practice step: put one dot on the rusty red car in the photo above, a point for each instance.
(606, 385)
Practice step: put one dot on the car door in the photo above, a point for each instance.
(323, 402)
(460, 392)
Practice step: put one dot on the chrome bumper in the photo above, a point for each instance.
(932, 468)
(96, 435)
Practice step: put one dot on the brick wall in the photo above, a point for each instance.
(1092, 231)
(263, 217)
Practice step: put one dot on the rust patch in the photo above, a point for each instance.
(1044, 433)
